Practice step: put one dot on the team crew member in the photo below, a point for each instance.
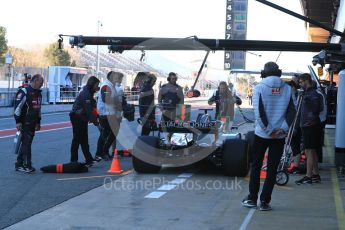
(83, 112)
(27, 113)
(312, 106)
(323, 117)
(274, 112)
(170, 95)
(224, 104)
(147, 105)
(110, 107)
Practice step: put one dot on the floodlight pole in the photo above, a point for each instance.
(99, 23)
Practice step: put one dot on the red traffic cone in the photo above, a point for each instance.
(126, 153)
(263, 174)
(115, 167)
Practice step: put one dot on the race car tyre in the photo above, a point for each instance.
(145, 145)
(250, 138)
(282, 178)
(235, 157)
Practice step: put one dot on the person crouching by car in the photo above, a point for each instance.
(110, 107)
(83, 112)
(147, 105)
(224, 105)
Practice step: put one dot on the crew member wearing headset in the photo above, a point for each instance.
(170, 95)
(274, 112)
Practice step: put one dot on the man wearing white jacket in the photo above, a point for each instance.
(109, 106)
(274, 112)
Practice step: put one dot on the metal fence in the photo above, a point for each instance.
(18, 72)
(9, 85)
(7, 98)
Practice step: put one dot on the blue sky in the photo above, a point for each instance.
(39, 21)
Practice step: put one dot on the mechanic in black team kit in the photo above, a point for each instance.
(27, 113)
(84, 111)
(170, 95)
(147, 105)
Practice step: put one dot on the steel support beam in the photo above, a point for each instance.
(193, 43)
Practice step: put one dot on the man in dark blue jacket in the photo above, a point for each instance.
(27, 113)
(84, 111)
(147, 105)
(310, 123)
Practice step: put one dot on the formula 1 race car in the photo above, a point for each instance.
(188, 142)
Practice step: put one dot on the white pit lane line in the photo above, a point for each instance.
(185, 175)
(169, 186)
(155, 195)
(162, 190)
(247, 220)
(178, 181)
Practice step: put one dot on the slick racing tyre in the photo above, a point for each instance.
(235, 157)
(146, 147)
(250, 138)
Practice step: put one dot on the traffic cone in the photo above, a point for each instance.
(263, 172)
(126, 153)
(115, 167)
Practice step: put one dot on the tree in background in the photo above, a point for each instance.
(56, 56)
(73, 63)
(242, 84)
(32, 57)
(3, 44)
(75, 56)
(20, 57)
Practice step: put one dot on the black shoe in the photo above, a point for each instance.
(249, 203)
(89, 164)
(20, 167)
(106, 157)
(265, 206)
(304, 180)
(316, 178)
(30, 169)
(98, 158)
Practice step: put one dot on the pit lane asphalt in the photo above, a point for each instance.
(24, 195)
